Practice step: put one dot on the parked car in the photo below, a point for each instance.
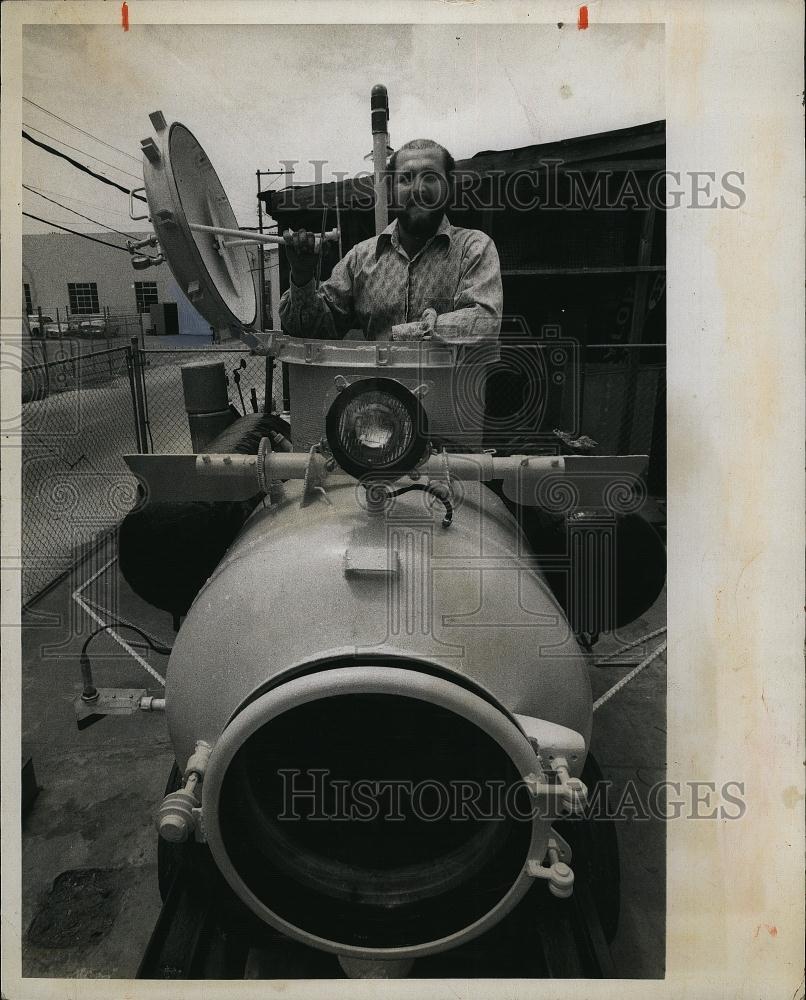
(97, 327)
(67, 328)
(50, 328)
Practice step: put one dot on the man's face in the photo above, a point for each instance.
(420, 190)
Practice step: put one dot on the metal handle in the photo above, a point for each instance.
(132, 216)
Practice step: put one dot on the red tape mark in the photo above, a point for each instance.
(124, 16)
(582, 19)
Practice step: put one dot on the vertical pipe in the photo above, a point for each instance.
(261, 259)
(379, 107)
(139, 392)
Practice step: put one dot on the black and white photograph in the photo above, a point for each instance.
(402, 476)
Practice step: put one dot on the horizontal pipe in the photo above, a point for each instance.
(238, 477)
(332, 235)
(294, 465)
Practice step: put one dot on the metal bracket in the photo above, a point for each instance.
(199, 832)
(369, 561)
(158, 120)
(557, 872)
(113, 701)
(315, 476)
(570, 794)
(150, 150)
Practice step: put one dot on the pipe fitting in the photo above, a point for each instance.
(197, 762)
(176, 820)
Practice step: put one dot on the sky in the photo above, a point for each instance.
(257, 94)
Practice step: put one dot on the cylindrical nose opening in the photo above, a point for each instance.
(371, 808)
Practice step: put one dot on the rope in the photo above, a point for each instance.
(632, 645)
(628, 677)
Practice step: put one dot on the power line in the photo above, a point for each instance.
(83, 151)
(84, 236)
(79, 129)
(79, 201)
(80, 166)
(75, 212)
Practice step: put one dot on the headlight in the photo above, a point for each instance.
(376, 426)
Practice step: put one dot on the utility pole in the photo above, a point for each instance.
(261, 260)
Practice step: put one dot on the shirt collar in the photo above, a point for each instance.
(390, 235)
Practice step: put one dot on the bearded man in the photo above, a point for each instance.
(420, 278)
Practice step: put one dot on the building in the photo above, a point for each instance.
(68, 275)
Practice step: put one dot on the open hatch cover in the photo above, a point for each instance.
(183, 190)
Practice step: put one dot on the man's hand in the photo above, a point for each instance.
(422, 329)
(301, 254)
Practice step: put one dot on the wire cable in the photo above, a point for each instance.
(158, 647)
(116, 617)
(79, 201)
(76, 212)
(437, 490)
(81, 166)
(79, 129)
(84, 236)
(90, 692)
(106, 163)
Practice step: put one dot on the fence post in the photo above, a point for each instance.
(108, 341)
(44, 350)
(139, 392)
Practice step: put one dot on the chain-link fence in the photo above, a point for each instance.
(77, 421)
(80, 416)
(167, 423)
(58, 323)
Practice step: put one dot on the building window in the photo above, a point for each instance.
(83, 297)
(29, 306)
(146, 294)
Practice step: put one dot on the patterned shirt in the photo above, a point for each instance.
(377, 286)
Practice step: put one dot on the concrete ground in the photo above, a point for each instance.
(101, 787)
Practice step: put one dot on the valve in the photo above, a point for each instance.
(179, 812)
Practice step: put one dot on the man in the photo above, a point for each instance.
(422, 277)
